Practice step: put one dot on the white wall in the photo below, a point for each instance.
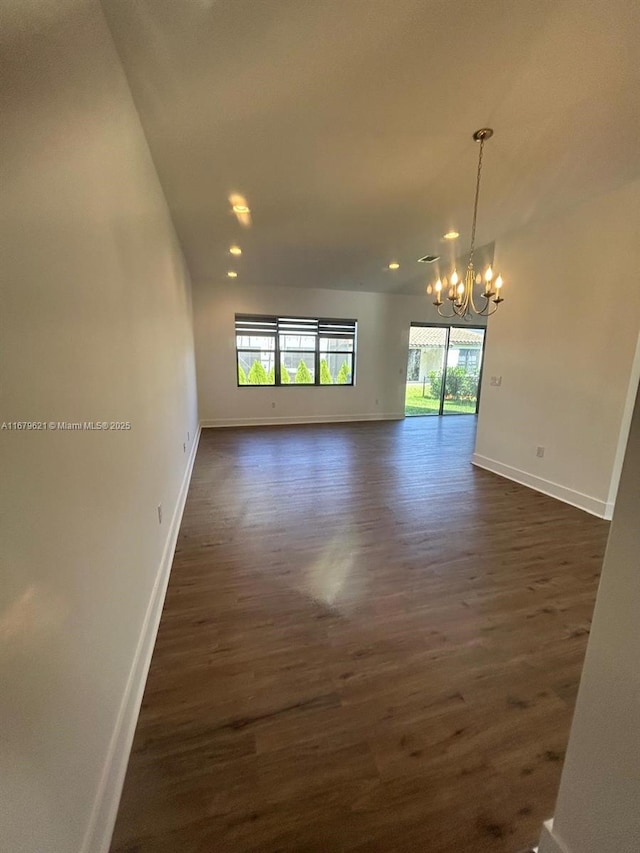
(96, 325)
(597, 809)
(564, 344)
(381, 360)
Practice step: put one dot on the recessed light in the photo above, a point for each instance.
(235, 250)
(394, 265)
(450, 235)
(232, 274)
(241, 209)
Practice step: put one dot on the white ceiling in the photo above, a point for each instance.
(347, 124)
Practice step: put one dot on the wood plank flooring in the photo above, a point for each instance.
(367, 645)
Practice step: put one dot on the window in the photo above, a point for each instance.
(294, 350)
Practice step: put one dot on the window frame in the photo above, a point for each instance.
(320, 331)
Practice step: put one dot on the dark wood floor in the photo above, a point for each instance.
(367, 645)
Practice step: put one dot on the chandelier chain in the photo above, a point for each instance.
(475, 204)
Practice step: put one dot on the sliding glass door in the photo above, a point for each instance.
(464, 360)
(427, 352)
(443, 370)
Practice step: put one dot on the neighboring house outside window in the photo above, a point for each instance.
(426, 351)
(469, 359)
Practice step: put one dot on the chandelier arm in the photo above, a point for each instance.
(473, 304)
(446, 316)
(483, 312)
(490, 313)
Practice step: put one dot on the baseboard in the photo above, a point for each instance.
(549, 841)
(103, 816)
(589, 504)
(298, 419)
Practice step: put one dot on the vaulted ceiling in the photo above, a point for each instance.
(347, 124)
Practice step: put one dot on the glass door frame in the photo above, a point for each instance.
(448, 327)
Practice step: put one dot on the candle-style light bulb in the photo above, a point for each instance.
(454, 278)
(488, 276)
(438, 286)
(499, 282)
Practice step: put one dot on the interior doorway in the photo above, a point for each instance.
(444, 370)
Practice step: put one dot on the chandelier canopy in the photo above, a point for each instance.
(460, 293)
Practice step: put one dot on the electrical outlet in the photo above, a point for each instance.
(496, 381)
(273, 405)
(540, 452)
(159, 513)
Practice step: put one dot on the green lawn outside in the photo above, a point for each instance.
(416, 404)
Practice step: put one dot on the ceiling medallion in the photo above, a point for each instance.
(460, 293)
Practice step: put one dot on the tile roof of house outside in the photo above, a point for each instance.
(431, 336)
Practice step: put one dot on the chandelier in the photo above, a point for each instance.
(458, 292)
